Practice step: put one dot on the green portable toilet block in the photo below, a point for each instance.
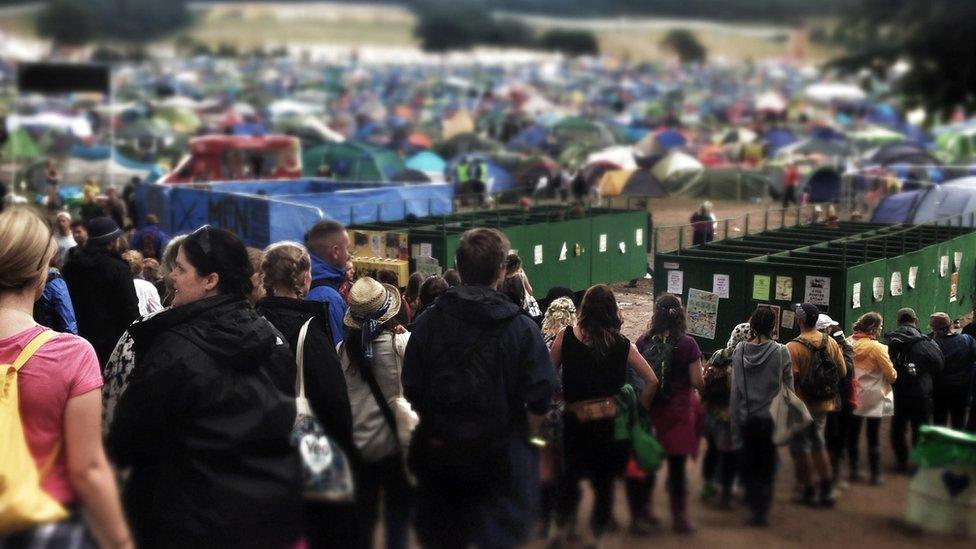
(846, 271)
(942, 493)
(558, 247)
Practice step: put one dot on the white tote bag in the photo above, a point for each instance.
(790, 414)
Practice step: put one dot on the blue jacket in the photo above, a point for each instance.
(58, 313)
(150, 241)
(326, 280)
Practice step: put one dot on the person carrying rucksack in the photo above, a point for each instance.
(676, 412)
(917, 360)
(951, 394)
(874, 373)
(476, 370)
(818, 367)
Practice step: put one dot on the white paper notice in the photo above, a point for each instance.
(671, 266)
(912, 276)
(639, 237)
(896, 289)
(789, 319)
(817, 290)
(603, 243)
(537, 252)
(943, 266)
(622, 247)
(676, 282)
(426, 249)
(878, 288)
(856, 296)
(720, 285)
(957, 259)
(562, 253)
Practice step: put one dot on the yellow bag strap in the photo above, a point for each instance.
(32, 347)
(25, 355)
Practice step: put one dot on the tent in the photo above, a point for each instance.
(352, 161)
(631, 183)
(427, 162)
(812, 146)
(824, 185)
(531, 138)
(721, 183)
(897, 208)
(778, 138)
(465, 143)
(458, 124)
(621, 155)
(674, 163)
(875, 137)
(20, 145)
(943, 201)
(828, 92)
(899, 153)
(573, 129)
(408, 175)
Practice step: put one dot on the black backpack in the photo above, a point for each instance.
(461, 443)
(916, 358)
(718, 380)
(657, 352)
(822, 380)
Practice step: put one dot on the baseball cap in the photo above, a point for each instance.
(824, 322)
(807, 313)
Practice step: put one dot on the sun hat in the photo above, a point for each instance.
(370, 300)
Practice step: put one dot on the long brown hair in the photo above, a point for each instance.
(868, 323)
(668, 316)
(599, 317)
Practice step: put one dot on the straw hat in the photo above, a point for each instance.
(366, 298)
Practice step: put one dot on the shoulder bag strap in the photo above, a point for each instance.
(367, 372)
(300, 401)
(18, 363)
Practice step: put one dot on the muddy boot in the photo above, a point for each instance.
(874, 458)
(679, 513)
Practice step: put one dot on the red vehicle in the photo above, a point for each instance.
(238, 157)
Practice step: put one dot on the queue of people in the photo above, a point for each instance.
(266, 398)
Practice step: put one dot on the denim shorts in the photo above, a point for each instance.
(810, 439)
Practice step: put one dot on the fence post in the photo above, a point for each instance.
(655, 240)
(799, 214)
(726, 228)
(782, 218)
(681, 237)
(766, 220)
(430, 206)
(747, 224)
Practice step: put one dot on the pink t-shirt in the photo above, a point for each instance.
(64, 367)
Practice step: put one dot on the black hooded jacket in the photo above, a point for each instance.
(204, 425)
(325, 385)
(103, 296)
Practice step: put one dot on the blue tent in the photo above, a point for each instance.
(824, 185)
(533, 137)
(883, 113)
(944, 201)
(779, 138)
(249, 128)
(826, 133)
(897, 208)
(426, 161)
(669, 139)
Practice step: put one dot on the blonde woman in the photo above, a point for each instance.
(874, 373)
(561, 314)
(60, 404)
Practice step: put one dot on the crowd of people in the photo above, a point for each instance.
(191, 390)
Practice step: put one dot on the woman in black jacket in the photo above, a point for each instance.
(204, 423)
(286, 272)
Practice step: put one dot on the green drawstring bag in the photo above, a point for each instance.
(628, 424)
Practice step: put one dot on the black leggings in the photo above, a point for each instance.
(854, 439)
(639, 491)
(569, 497)
(718, 466)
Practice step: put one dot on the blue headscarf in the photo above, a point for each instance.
(371, 325)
